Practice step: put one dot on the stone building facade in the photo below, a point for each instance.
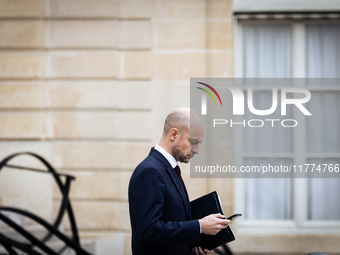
(87, 85)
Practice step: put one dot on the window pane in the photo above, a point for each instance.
(266, 51)
(323, 61)
(267, 54)
(323, 202)
(275, 139)
(268, 199)
(323, 52)
(324, 124)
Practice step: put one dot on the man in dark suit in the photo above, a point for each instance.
(158, 201)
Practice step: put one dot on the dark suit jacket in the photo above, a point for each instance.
(159, 210)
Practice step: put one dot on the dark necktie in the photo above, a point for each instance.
(178, 172)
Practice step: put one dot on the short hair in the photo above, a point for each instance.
(177, 119)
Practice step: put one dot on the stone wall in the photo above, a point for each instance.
(87, 84)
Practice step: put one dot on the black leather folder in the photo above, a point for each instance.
(203, 206)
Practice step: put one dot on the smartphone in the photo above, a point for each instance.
(235, 216)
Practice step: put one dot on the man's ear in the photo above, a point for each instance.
(174, 134)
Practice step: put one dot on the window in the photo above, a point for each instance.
(290, 49)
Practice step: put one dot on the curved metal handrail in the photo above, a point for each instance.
(65, 206)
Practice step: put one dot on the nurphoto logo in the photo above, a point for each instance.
(238, 98)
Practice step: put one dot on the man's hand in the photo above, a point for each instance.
(199, 251)
(213, 223)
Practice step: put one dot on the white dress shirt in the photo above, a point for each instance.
(167, 155)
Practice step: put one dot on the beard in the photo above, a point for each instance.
(178, 154)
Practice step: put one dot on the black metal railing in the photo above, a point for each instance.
(34, 245)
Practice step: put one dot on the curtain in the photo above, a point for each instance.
(323, 54)
(267, 54)
(268, 198)
(323, 61)
(323, 202)
(266, 51)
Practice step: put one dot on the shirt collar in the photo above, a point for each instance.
(167, 155)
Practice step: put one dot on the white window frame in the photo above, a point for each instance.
(299, 224)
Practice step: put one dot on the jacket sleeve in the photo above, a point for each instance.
(147, 201)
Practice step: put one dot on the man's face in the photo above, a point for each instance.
(187, 145)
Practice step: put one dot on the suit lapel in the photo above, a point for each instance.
(187, 204)
(183, 192)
